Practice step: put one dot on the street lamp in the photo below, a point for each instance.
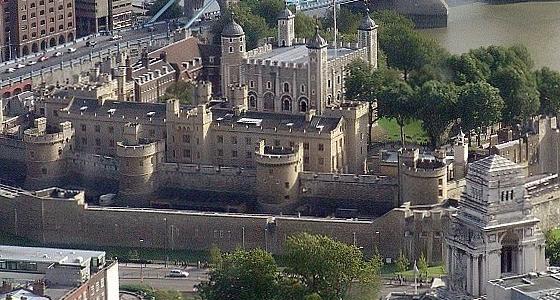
(166, 241)
(141, 265)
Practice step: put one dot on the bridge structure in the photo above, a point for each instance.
(194, 9)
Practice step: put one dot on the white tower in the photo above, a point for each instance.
(367, 37)
(286, 32)
(233, 54)
(460, 156)
(494, 233)
(317, 71)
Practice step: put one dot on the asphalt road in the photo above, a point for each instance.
(102, 43)
(155, 276)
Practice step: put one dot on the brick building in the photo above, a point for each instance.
(32, 26)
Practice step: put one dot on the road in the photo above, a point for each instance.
(155, 276)
(102, 43)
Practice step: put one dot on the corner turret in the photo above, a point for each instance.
(286, 32)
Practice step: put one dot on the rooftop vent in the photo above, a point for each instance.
(151, 114)
(111, 111)
(83, 108)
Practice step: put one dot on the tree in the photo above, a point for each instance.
(552, 250)
(396, 101)
(254, 26)
(465, 68)
(215, 256)
(267, 9)
(519, 91)
(479, 105)
(404, 49)
(328, 267)
(402, 263)
(423, 265)
(364, 84)
(248, 275)
(304, 25)
(437, 108)
(181, 90)
(548, 85)
(174, 11)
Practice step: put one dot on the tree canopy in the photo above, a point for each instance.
(548, 85)
(437, 108)
(479, 105)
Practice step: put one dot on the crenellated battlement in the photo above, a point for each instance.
(141, 150)
(37, 136)
(266, 48)
(278, 155)
(276, 64)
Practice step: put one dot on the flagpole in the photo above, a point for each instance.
(335, 31)
(415, 278)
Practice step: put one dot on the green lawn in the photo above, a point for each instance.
(389, 270)
(388, 130)
(122, 253)
(554, 233)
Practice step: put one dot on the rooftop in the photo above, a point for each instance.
(48, 255)
(156, 111)
(297, 54)
(543, 286)
(494, 163)
(271, 120)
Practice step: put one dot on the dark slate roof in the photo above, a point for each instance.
(271, 120)
(127, 109)
(232, 29)
(285, 14)
(367, 22)
(317, 41)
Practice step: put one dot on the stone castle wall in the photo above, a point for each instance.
(94, 166)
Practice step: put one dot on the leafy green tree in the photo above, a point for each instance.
(174, 11)
(254, 26)
(397, 101)
(248, 275)
(364, 84)
(479, 105)
(304, 25)
(404, 49)
(215, 256)
(519, 91)
(267, 9)
(328, 267)
(423, 265)
(548, 85)
(181, 90)
(402, 263)
(552, 250)
(437, 108)
(465, 68)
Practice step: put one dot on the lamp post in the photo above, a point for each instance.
(166, 242)
(243, 237)
(141, 265)
(354, 238)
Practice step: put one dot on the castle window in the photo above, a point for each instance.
(329, 83)
(44, 171)
(32, 154)
(321, 161)
(440, 181)
(97, 141)
(241, 39)
(286, 103)
(271, 171)
(252, 101)
(321, 147)
(251, 83)
(248, 154)
(230, 40)
(97, 128)
(220, 152)
(305, 146)
(287, 185)
(220, 139)
(186, 139)
(187, 153)
(142, 163)
(234, 140)
(268, 85)
(302, 106)
(338, 79)
(233, 153)
(248, 141)
(286, 87)
(440, 193)
(84, 141)
(83, 127)
(230, 49)
(277, 143)
(302, 88)
(240, 48)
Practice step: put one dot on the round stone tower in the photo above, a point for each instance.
(277, 176)
(286, 32)
(233, 54)
(46, 150)
(138, 161)
(423, 181)
(317, 47)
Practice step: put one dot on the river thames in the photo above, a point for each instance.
(533, 24)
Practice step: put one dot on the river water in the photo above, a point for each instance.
(533, 24)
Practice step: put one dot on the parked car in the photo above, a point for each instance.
(116, 37)
(90, 43)
(43, 58)
(71, 50)
(107, 199)
(177, 273)
(31, 62)
(19, 66)
(10, 70)
(57, 54)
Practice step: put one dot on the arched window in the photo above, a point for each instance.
(230, 49)
(329, 99)
(303, 105)
(286, 87)
(268, 85)
(286, 103)
(303, 88)
(268, 101)
(252, 101)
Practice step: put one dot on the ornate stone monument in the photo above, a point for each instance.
(494, 233)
